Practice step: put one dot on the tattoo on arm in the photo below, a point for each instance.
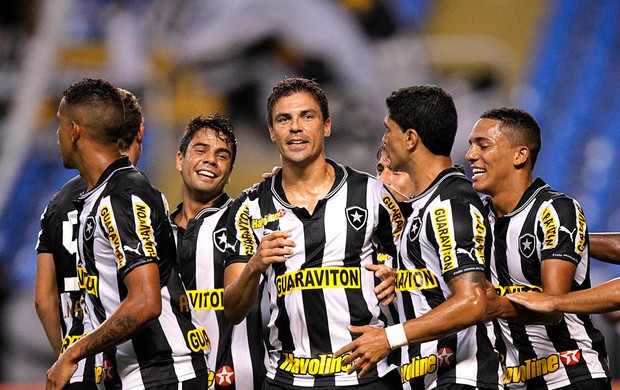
(473, 277)
(120, 329)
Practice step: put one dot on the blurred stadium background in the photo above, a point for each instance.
(557, 59)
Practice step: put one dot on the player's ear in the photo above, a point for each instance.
(327, 128)
(522, 155)
(411, 139)
(179, 162)
(76, 131)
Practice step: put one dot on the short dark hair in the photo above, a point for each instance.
(519, 126)
(430, 111)
(222, 127)
(133, 120)
(104, 105)
(292, 85)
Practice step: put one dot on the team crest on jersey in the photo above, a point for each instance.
(526, 245)
(570, 358)
(219, 239)
(225, 376)
(89, 229)
(414, 232)
(357, 217)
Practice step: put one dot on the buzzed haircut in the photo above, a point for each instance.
(292, 85)
(519, 127)
(133, 120)
(97, 105)
(222, 127)
(430, 111)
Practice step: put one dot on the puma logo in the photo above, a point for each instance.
(127, 248)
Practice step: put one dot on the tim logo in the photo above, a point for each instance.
(219, 239)
(570, 358)
(414, 232)
(526, 245)
(356, 217)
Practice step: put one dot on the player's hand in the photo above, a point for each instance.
(274, 170)
(365, 351)
(274, 248)
(385, 291)
(60, 373)
(534, 301)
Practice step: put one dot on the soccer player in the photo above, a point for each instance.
(313, 230)
(126, 255)
(540, 244)
(57, 293)
(398, 182)
(441, 265)
(205, 161)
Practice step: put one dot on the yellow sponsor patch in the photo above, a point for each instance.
(198, 340)
(258, 223)
(246, 235)
(108, 221)
(398, 222)
(89, 283)
(207, 299)
(383, 257)
(505, 290)
(69, 341)
(318, 278)
(418, 367)
(550, 226)
(580, 241)
(480, 232)
(531, 368)
(145, 230)
(441, 223)
(415, 279)
(324, 364)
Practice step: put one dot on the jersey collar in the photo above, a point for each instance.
(220, 203)
(339, 181)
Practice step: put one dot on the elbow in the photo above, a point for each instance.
(478, 308)
(233, 316)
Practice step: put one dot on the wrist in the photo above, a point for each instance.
(396, 336)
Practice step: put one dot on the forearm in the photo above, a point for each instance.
(48, 310)
(605, 247)
(125, 322)
(240, 295)
(451, 316)
(600, 299)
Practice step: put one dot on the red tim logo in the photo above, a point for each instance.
(570, 357)
(225, 376)
(108, 371)
(281, 213)
(445, 357)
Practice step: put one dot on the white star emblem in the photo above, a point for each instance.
(527, 244)
(89, 227)
(357, 217)
(222, 239)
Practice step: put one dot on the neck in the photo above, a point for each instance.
(193, 204)
(424, 171)
(306, 185)
(97, 160)
(511, 191)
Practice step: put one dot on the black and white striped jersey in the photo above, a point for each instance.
(123, 224)
(447, 235)
(58, 236)
(544, 225)
(237, 358)
(323, 287)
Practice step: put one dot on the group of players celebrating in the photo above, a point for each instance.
(320, 275)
